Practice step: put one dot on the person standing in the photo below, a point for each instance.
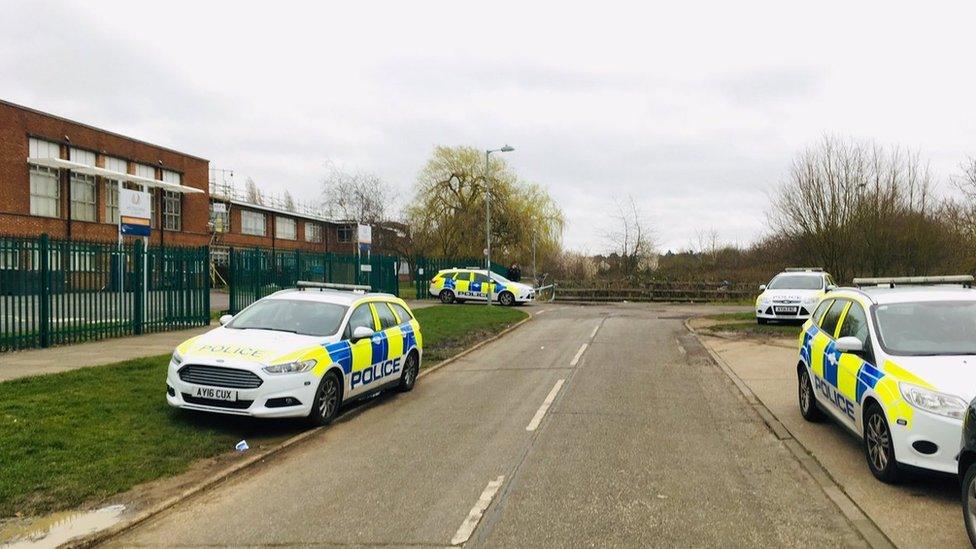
(514, 273)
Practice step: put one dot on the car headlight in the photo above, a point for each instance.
(763, 299)
(933, 401)
(296, 367)
(176, 359)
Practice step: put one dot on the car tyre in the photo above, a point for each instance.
(969, 502)
(411, 369)
(506, 298)
(447, 297)
(328, 398)
(806, 397)
(761, 321)
(879, 448)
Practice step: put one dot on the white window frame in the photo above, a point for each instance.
(83, 209)
(41, 197)
(111, 201)
(172, 211)
(313, 232)
(286, 222)
(250, 225)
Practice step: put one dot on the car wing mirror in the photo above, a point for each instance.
(762, 287)
(225, 319)
(849, 344)
(362, 332)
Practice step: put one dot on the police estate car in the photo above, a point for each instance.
(299, 353)
(792, 294)
(456, 285)
(891, 361)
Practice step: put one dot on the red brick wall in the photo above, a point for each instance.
(17, 124)
(235, 239)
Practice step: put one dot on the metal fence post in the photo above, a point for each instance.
(138, 286)
(206, 284)
(45, 291)
(232, 282)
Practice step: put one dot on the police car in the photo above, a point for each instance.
(792, 294)
(299, 353)
(894, 361)
(457, 285)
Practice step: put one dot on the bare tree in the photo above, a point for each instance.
(630, 236)
(356, 196)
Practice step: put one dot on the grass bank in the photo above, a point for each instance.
(745, 323)
(87, 434)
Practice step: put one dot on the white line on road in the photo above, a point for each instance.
(541, 412)
(540, 312)
(681, 348)
(469, 524)
(595, 330)
(579, 354)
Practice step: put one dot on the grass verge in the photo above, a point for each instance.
(87, 434)
(745, 323)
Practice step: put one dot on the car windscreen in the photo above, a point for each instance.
(291, 315)
(928, 327)
(500, 279)
(796, 282)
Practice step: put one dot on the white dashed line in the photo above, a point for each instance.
(579, 354)
(540, 312)
(595, 330)
(681, 348)
(541, 412)
(474, 516)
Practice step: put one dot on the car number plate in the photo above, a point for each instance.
(787, 310)
(214, 393)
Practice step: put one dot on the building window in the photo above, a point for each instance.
(313, 232)
(149, 172)
(253, 223)
(172, 211)
(220, 255)
(285, 228)
(37, 148)
(219, 217)
(111, 201)
(45, 192)
(346, 233)
(82, 197)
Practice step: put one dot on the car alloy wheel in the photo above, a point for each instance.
(808, 403)
(410, 371)
(447, 297)
(506, 299)
(328, 397)
(879, 442)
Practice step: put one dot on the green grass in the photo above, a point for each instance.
(745, 323)
(87, 434)
(407, 290)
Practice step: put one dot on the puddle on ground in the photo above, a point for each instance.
(54, 529)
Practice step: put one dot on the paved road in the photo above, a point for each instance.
(644, 442)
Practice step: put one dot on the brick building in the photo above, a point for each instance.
(61, 177)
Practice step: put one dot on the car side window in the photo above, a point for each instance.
(479, 277)
(462, 275)
(401, 312)
(362, 316)
(855, 324)
(387, 320)
(821, 309)
(829, 322)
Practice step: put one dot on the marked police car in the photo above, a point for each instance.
(894, 361)
(457, 285)
(300, 352)
(792, 294)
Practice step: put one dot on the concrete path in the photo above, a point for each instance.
(34, 362)
(923, 511)
(595, 425)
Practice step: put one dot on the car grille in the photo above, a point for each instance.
(235, 405)
(217, 376)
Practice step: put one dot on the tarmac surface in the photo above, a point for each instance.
(591, 425)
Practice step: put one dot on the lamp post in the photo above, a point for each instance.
(505, 149)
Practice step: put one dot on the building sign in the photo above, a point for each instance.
(135, 212)
(364, 235)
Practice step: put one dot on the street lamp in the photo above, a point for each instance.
(504, 149)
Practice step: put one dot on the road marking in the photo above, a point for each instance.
(540, 312)
(681, 348)
(474, 516)
(579, 354)
(595, 330)
(541, 412)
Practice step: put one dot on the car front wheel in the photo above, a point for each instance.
(328, 397)
(506, 299)
(411, 368)
(879, 448)
(969, 502)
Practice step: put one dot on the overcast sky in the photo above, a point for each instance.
(696, 109)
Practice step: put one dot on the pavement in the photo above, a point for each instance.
(923, 511)
(590, 425)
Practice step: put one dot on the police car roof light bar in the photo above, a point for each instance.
(804, 270)
(304, 284)
(891, 281)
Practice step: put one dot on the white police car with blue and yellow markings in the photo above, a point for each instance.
(456, 285)
(792, 294)
(299, 353)
(894, 361)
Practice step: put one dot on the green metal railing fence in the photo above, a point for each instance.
(255, 273)
(54, 292)
(424, 268)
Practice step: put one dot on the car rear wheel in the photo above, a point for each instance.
(807, 400)
(969, 502)
(411, 368)
(506, 298)
(447, 297)
(879, 448)
(328, 397)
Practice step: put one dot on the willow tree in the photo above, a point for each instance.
(447, 214)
